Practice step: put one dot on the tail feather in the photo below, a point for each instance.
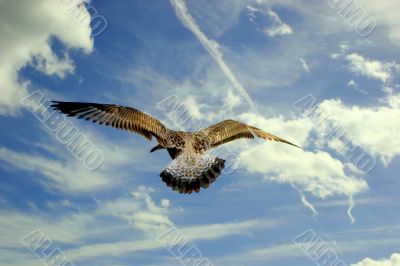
(185, 176)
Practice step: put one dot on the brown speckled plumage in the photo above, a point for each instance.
(191, 167)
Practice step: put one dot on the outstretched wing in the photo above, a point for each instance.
(116, 116)
(230, 130)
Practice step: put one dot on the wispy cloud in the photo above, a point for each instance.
(279, 28)
(55, 173)
(105, 228)
(304, 65)
(285, 250)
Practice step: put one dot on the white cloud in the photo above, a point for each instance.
(354, 85)
(66, 229)
(374, 128)
(296, 131)
(49, 64)
(58, 160)
(249, 257)
(58, 169)
(374, 69)
(152, 218)
(394, 260)
(232, 100)
(282, 251)
(318, 18)
(279, 28)
(193, 107)
(27, 28)
(68, 176)
(105, 229)
(317, 173)
(385, 13)
(203, 232)
(89, 228)
(15, 258)
(213, 231)
(304, 65)
(252, 11)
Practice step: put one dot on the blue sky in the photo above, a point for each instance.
(246, 60)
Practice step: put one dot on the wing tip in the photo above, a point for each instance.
(290, 143)
(55, 105)
(297, 146)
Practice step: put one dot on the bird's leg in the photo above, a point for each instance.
(158, 147)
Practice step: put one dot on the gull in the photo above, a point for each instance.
(192, 167)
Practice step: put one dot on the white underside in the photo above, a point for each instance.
(190, 165)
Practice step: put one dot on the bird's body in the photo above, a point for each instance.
(192, 166)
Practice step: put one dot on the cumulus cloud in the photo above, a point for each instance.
(374, 128)
(50, 64)
(374, 69)
(27, 29)
(317, 173)
(394, 260)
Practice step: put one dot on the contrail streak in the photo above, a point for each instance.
(211, 46)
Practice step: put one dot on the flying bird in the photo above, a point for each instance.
(191, 167)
